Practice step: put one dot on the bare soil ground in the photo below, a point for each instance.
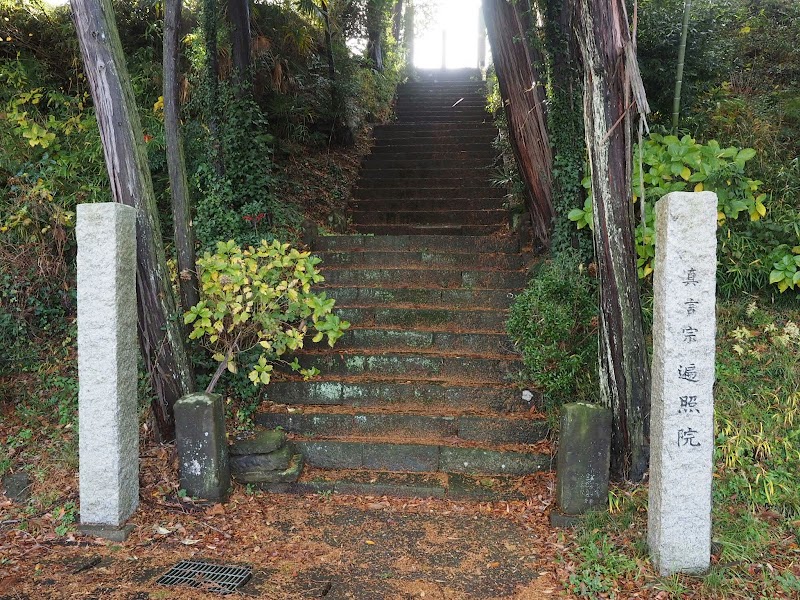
(320, 546)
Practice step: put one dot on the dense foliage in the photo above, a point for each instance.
(553, 323)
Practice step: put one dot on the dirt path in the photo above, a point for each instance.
(320, 546)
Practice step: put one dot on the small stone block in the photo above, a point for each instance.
(17, 487)
(299, 487)
(332, 455)
(559, 519)
(289, 475)
(107, 532)
(262, 443)
(584, 454)
(202, 448)
(401, 457)
(277, 460)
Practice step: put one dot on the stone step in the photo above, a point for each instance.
(386, 366)
(441, 339)
(408, 258)
(397, 177)
(415, 151)
(476, 320)
(370, 191)
(416, 458)
(494, 429)
(487, 130)
(417, 243)
(428, 277)
(400, 203)
(427, 230)
(328, 390)
(426, 139)
(443, 103)
(452, 486)
(400, 161)
(453, 120)
(434, 217)
(467, 180)
(405, 113)
(426, 298)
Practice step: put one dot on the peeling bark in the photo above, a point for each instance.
(604, 39)
(523, 95)
(239, 19)
(160, 335)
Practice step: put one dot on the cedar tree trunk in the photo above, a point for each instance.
(602, 32)
(374, 34)
(239, 19)
(176, 163)
(160, 335)
(397, 20)
(523, 98)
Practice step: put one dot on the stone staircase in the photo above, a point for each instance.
(418, 397)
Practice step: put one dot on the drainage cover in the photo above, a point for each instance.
(221, 579)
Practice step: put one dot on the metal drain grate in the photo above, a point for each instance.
(220, 579)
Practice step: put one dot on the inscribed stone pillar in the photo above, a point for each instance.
(107, 352)
(682, 417)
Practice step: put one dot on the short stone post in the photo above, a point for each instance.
(582, 465)
(108, 419)
(203, 459)
(682, 415)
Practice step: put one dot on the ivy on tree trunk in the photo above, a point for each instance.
(610, 72)
(160, 334)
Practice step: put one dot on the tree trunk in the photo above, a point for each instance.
(565, 126)
(212, 107)
(160, 335)
(602, 32)
(176, 162)
(397, 20)
(374, 34)
(408, 33)
(523, 98)
(239, 19)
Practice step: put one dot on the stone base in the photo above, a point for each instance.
(17, 487)
(560, 520)
(108, 532)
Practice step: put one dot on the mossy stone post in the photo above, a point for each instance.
(582, 466)
(202, 447)
(682, 422)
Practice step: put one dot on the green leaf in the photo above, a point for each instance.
(776, 276)
(745, 154)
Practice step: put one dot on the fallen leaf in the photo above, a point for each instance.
(369, 543)
(189, 541)
(493, 565)
(162, 530)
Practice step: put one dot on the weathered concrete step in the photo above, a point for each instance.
(442, 339)
(466, 180)
(426, 189)
(471, 320)
(465, 230)
(401, 161)
(427, 109)
(473, 428)
(428, 277)
(400, 203)
(340, 392)
(413, 150)
(443, 103)
(455, 120)
(476, 175)
(415, 130)
(428, 367)
(408, 258)
(417, 243)
(416, 458)
(452, 486)
(428, 298)
(431, 217)
(427, 139)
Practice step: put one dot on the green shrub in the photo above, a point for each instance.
(553, 324)
(260, 299)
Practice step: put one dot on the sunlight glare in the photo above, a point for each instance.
(458, 19)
